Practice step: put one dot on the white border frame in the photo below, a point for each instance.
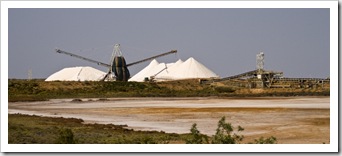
(332, 147)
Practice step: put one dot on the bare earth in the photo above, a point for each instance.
(293, 120)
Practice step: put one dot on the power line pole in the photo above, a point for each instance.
(29, 75)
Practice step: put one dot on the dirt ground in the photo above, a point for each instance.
(293, 120)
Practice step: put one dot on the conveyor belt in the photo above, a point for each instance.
(250, 73)
(301, 79)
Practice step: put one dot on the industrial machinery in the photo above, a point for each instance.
(117, 65)
(261, 78)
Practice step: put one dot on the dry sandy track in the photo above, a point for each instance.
(290, 120)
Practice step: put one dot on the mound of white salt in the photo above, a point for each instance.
(77, 74)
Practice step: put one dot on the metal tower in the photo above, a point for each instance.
(260, 61)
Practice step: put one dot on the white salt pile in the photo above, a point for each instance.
(179, 70)
(77, 74)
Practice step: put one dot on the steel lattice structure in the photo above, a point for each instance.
(260, 60)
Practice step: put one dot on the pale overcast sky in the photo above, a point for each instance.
(295, 41)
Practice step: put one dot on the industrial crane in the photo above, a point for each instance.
(117, 64)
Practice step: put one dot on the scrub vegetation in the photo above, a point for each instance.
(224, 135)
(27, 129)
(39, 90)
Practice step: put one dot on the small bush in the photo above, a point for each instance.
(76, 100)
(270, 140)
(224, 135)
(196, 137)
(66, 136)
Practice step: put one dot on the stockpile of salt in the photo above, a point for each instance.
(190, 69)
(77, 74)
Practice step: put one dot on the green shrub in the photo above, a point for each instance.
(196, 137)
(224, 134)
(270, 140)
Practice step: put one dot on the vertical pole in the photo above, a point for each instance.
(29, 75)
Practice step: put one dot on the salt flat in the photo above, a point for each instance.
(289, 119)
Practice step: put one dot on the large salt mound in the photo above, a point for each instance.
(140, 76)
(151, 70)
(77, 74)
(189, 69)
(168, 74)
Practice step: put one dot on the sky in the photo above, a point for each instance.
(226, 40)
